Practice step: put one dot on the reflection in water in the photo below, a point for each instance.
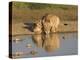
(19, 54)
(39, 45)
(17, 40)
(38, 40)
(29, 46)
(49, 42)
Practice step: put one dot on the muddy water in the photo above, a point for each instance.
(45, 45)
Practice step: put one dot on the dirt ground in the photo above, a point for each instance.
(22, 29)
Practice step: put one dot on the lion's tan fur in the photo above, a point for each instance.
(50, 23)
(38, 27)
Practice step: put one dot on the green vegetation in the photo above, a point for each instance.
(39, 5)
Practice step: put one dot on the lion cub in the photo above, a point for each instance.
(38, 27)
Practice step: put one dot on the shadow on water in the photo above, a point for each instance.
(49, 42)
(29, 26)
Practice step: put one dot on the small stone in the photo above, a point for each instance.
(63, 37)
(17, 39)
(65, 24)
(29, 45)
(18, 53)
(33, 52)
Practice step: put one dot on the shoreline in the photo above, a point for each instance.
(22, 29)
(39, 34)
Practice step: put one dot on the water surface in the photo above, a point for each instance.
(57, 44)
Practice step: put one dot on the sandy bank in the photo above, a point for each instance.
(65, 26)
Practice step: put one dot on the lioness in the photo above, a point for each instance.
(50, 23)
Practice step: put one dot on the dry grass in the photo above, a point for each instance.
(25, 15)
